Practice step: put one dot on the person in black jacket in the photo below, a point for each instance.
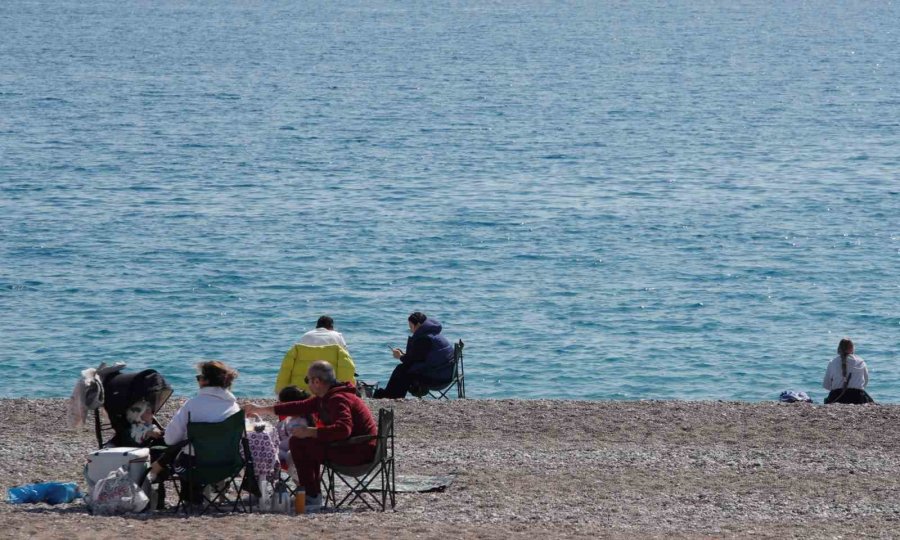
(428, 359)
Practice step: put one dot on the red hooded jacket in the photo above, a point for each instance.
(342, 412)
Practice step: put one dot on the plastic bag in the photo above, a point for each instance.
(281, 499)
(265, 495)
(117, 494)
(48, 492)
(263, 445)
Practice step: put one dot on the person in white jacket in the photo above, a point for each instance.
(846, 377)
(214, 402)
(324, 334)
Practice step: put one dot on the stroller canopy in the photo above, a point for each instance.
(122, 390)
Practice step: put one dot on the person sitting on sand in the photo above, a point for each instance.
(846, 377)
(214, 402)
(428, 358)
(342, 415)
(324, 334)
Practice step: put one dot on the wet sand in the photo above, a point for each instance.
(545, 469)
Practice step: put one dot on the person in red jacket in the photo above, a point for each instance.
(341, 413)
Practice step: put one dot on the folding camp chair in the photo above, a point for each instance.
(442, 390)
(371, 483)
(215, 467)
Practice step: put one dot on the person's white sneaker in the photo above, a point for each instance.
(313, 504)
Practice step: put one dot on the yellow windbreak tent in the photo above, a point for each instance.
(297, 360)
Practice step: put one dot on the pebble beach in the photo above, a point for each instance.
(544, 468)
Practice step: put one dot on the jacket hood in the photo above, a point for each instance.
(218, 392)
(341, 388)
(430, 327)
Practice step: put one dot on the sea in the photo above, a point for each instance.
(605, 200)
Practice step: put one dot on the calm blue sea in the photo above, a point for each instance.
(605, 200)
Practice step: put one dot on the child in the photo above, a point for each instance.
(287, 424)
(143, 431)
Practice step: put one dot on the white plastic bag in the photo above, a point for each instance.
(265, 495)
(281, 500)
(117, 494)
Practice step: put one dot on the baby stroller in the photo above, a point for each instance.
(131, 401)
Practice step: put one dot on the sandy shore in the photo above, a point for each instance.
(547, 468)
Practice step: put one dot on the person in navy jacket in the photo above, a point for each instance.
(428, 359)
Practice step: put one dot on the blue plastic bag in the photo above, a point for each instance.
(48, 492)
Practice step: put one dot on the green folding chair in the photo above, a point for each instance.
(221, 454)
(373, 483)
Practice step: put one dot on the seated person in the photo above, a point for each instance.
(428, 359)
(846, 377)
(324, 334)
(287, 424)
(342, 414)
(213, 403)
(142, 430)
(297, 360)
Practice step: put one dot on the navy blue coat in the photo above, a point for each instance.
(429, 354)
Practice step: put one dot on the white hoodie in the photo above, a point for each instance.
(212, 404)
(323, 336)
(856, 371)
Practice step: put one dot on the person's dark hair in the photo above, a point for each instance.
(217, 373)
(845, 348)
(417, 317)
(292, 393)
(325, 322)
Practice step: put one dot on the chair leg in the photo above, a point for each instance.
(355, 493)
(179, 495)
(328, 493)
(217, 501)
(359, 489)
(383, 479)
(392, 490)
(442, 394)
(445, 393)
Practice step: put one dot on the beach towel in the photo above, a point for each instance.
(418, 483)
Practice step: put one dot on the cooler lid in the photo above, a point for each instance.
(125, 451)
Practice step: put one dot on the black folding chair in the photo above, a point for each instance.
(220, 454)
(373, 483)
(442, 390)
